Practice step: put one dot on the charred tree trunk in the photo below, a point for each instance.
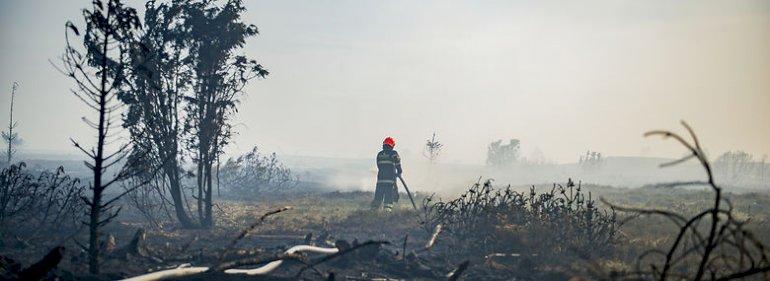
(209, 220)
(96, 201)
(199, 178)
(99, 77)
(175, 189)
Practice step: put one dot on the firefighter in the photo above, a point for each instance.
(389, 169)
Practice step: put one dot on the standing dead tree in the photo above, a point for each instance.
(713, 244)
(98, 73)
(432, 149)
(10, 137)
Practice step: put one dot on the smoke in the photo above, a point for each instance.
(450, 179)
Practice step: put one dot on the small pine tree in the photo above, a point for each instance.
(10, 137)
(432, 149)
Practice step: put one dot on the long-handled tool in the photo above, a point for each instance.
(408, 193)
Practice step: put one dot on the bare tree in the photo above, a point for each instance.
(432, 149)
(10, 137)
(98, 75)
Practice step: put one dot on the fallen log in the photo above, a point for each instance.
(255, 261)
(180, 271)
(186, 270)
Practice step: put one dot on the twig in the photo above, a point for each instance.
(248, 229)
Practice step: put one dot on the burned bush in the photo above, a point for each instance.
(488, 220)
(253, 173)
(48, 200)
(713, 244)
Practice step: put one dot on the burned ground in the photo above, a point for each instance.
(344, 217)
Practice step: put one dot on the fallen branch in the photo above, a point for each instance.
(180, 271)
(340, 253)
(255, 261)
(275, 262)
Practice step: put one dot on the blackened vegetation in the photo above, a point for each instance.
(174, 81)
(535, 229)
(712, 245)
(12, 270)
(34, 203)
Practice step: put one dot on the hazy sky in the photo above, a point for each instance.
(562, 76)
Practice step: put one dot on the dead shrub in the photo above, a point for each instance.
(44, 201)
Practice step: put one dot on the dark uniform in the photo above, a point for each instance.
(389, 168)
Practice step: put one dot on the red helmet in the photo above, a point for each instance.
(390, 142)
